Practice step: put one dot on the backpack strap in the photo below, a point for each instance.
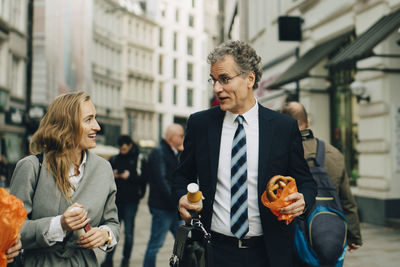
(320, 154)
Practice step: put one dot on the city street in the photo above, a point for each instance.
(381, 245)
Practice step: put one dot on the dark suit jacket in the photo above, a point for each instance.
(280, 152)
(162, 164)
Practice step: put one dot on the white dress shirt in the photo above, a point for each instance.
(56, 233)
(222, 203)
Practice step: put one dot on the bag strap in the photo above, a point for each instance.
(40, 159)
(179, 245)
(320, 156)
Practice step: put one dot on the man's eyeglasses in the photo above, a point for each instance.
(222, 80)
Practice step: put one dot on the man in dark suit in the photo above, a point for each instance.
(232, 151)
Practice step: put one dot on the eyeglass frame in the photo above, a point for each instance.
(225, 81)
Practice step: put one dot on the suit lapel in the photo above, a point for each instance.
(214, 142)
(265, 132)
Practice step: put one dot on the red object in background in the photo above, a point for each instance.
(215, 101)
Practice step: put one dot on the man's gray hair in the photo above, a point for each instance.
(244, 55)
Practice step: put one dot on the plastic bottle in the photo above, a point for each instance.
(194, 196)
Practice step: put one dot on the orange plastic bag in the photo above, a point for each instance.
(276, 205)
(12, 217)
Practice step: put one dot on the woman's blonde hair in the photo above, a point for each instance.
(58, 136)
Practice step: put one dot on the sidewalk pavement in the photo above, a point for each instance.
(381, 245)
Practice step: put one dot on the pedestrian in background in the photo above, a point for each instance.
(232, 151)
(162, 162)
(334, 166)
(130, 189)
(71, 188)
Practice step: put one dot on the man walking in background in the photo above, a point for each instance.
(130, 189)
(162, 162)
(334, 166)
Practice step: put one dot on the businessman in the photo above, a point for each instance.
(232, 151)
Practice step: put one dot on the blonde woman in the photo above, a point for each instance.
(74, 188)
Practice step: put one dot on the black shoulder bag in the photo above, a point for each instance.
(192, 246)
(19, 260)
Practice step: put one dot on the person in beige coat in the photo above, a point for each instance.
(73, 189)
(334, 166)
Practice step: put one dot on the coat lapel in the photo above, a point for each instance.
(265, 140)
(214, 142)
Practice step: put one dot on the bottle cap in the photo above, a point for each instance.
(193, 195)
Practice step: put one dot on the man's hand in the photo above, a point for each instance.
(14, 250)
(297, 207)
(351, 247)
(74, 218)
(185, 206)
(94, 238)
(125, 174)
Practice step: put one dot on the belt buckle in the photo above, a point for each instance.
(240, 244)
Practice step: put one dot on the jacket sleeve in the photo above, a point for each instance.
(186, 172)
(349, 206)
(23, 184)
(110, 212)
(299, 168)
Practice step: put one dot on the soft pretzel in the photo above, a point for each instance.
(277, 184)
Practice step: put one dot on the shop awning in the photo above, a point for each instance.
(300, 69)
(362, 47)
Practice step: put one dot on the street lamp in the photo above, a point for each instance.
(358, 89)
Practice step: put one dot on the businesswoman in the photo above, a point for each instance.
(71, 189)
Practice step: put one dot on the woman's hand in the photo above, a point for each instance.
(94, 238)
(74, 218)
(14, 250)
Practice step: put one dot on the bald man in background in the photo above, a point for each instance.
(334, 166)
(163, 161)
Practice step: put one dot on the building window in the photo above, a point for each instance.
(175, 95)
(160, 64)
(175, 66)
(189, 74)
(160, 92)
(177, 15)
(190, 46)
(189, 97)
(191, 21)
(160, 37)
(175, 44)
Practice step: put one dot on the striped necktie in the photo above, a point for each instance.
(239, 219)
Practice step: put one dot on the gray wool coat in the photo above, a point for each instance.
(96, 192)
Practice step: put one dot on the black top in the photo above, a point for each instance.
(133, 188)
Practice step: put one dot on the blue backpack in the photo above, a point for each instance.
(321, 237)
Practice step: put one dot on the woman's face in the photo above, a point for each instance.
(89, 125)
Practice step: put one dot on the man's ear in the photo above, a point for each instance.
(308, 123)
(251, 78)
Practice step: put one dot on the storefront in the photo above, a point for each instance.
(372, 61)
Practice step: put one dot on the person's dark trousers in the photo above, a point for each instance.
(162, 221)
(226, 254)
(126, 214)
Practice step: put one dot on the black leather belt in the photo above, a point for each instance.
(251, 242)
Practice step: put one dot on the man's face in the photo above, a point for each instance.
(236, 95)
(124, 149)
(178, 139)
(89, 126)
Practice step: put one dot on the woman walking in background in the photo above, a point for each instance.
(71, 189)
